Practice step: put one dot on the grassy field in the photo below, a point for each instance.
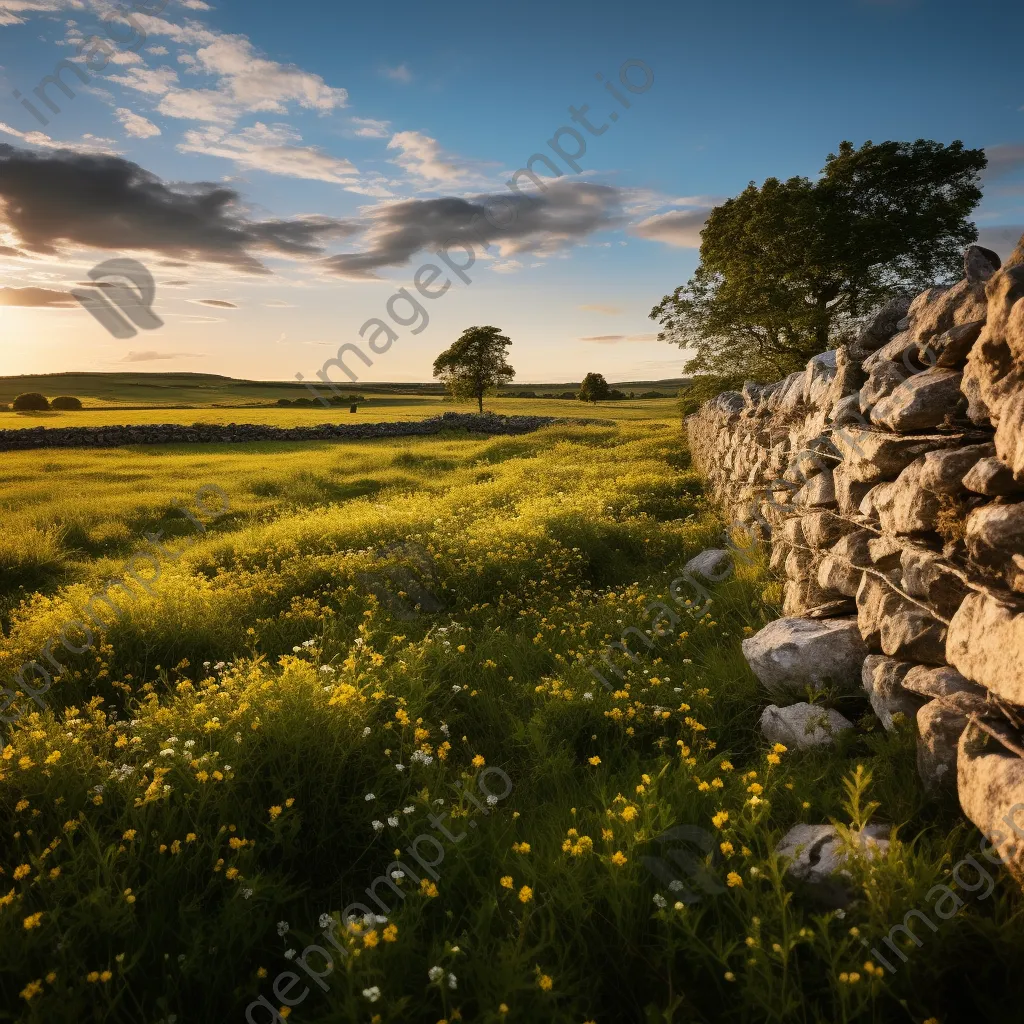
(199, 389)
(376, 409)
(316, 675)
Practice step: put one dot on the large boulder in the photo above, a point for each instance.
(791, 654)
(802, 725)
(986, 644)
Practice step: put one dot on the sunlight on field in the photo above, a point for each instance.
(292, 724)
(374, 410)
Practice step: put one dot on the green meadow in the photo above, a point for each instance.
(311, 691)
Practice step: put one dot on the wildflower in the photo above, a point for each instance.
(733, 880)
(370, 939)
(435, 973)
(391, 933)
(129, 896)
(21, 871)
(544, 981)
(660, 901)
(282, 928)
(720, 819)
(428, 888)
(595, 760)
(478, 761)
(372, 993)
(378, 826)
(525, 894)
(275, 812)
(726, 766)
(729, 976)
(506, 881)
(32, 921)
(393, 821)
(520, 847)
(773, 759)
(32, 989)
(619, 858)
(453, 982)
(369, 797)
(727, 849)
(289, 954)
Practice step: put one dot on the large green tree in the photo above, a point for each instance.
(475, 365)
(786, 270)
(594, 388)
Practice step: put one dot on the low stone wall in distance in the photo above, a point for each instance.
(889, 478)
(230, 433)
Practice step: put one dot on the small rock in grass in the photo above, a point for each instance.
(802, 725)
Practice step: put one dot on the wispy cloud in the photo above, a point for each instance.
(135, 125)
(614, 339)
(40, 298)
(219, 303)
(369, 128)
(397, 74)
(150, 355)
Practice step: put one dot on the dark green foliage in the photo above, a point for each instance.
(788, 268)
(594, 389)
(31, 401)
(66, 402)
(475, 365)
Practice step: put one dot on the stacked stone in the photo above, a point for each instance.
(889, 475)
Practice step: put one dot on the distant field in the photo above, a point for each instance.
(375, 410)
(201, 389)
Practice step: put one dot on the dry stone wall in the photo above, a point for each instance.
(888, 476)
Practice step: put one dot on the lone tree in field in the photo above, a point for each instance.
(475, 365)
(31, 401)
(594, 388)
(788, 268)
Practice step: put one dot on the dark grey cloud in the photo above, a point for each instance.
(68, 198)
(36, 297)
(541, 223)
(219, 303)
(1003, 159)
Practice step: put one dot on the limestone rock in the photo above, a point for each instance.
(939, 682)
(992, 477)
(790, 654)
(816, 857)
(884, 325)
(847, 410)
(712, 564)
(990, 784)
(890, 623)
(980, 264)
(939, 726)
(840, 568)
(1010, 432)
(818, 492)
(882, 679)
(871, 455)
(963, 303)
(904, 506)
(849, 492)
(823, 529)
(802, 725)
(920, 402)
(944, 471)
(883, 380)
(952, 348)
(927, 575)
(986, 644)
(994, 533)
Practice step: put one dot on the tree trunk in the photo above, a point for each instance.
(480, 402)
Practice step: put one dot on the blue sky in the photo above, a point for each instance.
(330, 132)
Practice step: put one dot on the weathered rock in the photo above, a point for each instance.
(802, 725)
(882, 679)
(884, 325)
(995, 533)
(871, 455)
(952, 348)
(849, 492)
(980, 264)
(963, 303)
(841, 569)
(1010, 432)
(818, 377)
(847, 410)
(818, 492)
(939, 682)
(986, 644)
(890, 623)
(816, 857)
(939, 726)
(823, 529)
(920, 402)
(904, 506)
(790, 654)
(928, 576)
(713, 564)
(990, 784)
(944, 471)
(992, 477)
(883, 380)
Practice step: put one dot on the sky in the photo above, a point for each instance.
(299, 179)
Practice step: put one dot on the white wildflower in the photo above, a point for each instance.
(435, 973)
(372, 993)
(282, 928)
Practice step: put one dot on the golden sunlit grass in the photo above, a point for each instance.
(257, 738)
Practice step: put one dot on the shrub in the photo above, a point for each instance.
(66, 402)
(31, 401)
(284, 401)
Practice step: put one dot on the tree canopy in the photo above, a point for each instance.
(475, 365)
(789, 268)
(594, 388)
